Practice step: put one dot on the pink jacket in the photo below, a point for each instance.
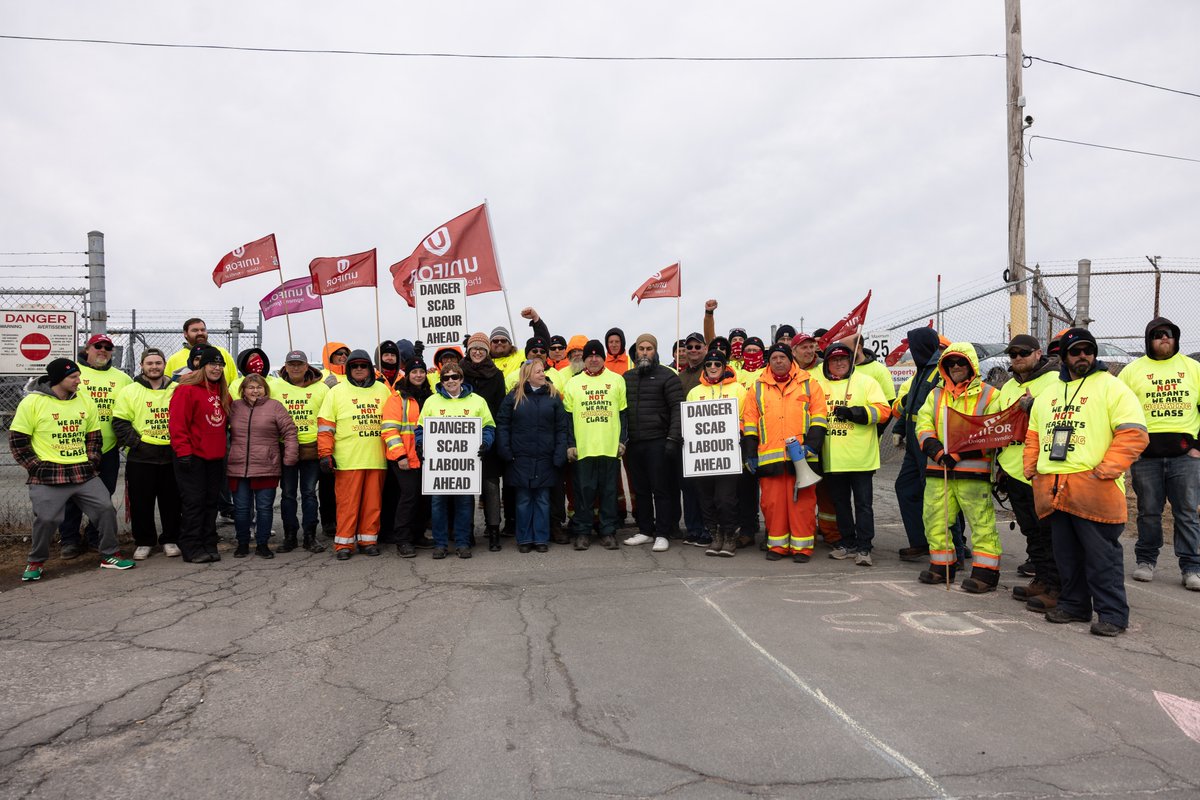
(257, 434)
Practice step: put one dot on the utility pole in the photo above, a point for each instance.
(1017, 122)
(1157, 281)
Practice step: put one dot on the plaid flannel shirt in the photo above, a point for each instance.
(49, 473)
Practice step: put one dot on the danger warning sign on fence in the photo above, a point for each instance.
(32, 338)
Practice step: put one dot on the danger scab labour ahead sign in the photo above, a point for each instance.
(32, 338)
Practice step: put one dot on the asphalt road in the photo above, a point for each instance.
(585, 675)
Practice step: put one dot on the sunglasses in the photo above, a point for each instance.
(536, 351)
(102, 346)
(358, 365)
(1162, 334)
(1019, 353)
(499, 341)
(951, 363)
(1082, 350)
(451, 378)
(695, 347)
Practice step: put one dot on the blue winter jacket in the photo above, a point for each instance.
(531, 438)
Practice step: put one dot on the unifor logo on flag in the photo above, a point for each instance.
(292, 297)
(249, 259)
(664, 283)
(848, 325)
(461, 248)
(339, 273)
(965, 432)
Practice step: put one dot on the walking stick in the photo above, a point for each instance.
(946, 519)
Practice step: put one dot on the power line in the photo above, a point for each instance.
(48, 253)
(69, 266)
(500, 56)
(1114, 77)
(1107, 147)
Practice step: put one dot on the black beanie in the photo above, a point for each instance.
(211, 355)
(715, 355)
(416, 362)
(536, 342)
(779, 347)
(785, 330)
(593, 348)
(196, 352)
(557, 341)
(59, 369)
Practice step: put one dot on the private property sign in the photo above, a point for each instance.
(30, 338)
(710, 438)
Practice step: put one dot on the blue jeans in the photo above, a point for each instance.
(263, 501)
(464, 514)
(303, 475)
(1175, 480)
(533, 516)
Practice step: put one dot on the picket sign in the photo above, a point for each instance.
(451, 447)
(441, 312)
(710, 437)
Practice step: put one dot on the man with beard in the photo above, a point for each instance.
(652, 454)
(195, 333)
(1079, 445)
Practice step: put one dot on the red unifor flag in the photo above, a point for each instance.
(293, 297)
(337, 274)
(900, 350)
(988, 432)
(462, 248)
(848, 325)
(664, 283)
(249, 259)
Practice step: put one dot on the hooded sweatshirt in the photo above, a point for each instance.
(851, 446)
(1168, 390)
(334, 373)
(389, 375)
(58, 442)
(141, 420)
(243, 367)
(350, 422)
(923, 343)
(302, 400)
(972, 397)
(620, 362)
(1044, 376)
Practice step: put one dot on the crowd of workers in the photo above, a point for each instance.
(206, 436)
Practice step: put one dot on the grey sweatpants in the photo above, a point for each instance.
(49, 505)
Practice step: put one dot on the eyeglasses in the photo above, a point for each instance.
(951, 363)
(1019, 353)
(102, 346)
(1082, 350)
(499, 341)
(451, 378)
(1162, 334)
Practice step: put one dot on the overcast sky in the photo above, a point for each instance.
(786, 189)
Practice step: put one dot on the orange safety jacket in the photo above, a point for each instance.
(974, 398)
(400, 415)
(777, 409)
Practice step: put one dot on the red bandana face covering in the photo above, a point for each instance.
(735, 350)
(752, 361)
(255, 364)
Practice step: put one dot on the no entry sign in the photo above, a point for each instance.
(441, 312)
(31, 338)
(711, 438)
(451, 446)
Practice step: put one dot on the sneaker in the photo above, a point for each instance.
(698, 541)
(1144, 573)
(263, 551)
(839, 553)
(1192, 581)
(582, 542)
(439, 552)
(463, 552)
(661, 544)
(242, 550)
(1102, 628)
(1061, 616)
(141, 553)
(171, 550)
(116, 562)
(1027, 569)
(639, 538)
(863, 560)
(609, 542)
(69, 551)
(33, 572)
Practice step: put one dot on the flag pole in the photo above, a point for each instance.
(378, 335)
(946, 520)
(487, 215)
(323, 328)
(678, 303)
(287, 318)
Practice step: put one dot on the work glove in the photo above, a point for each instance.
(185, 463)
(897, 440)
(672, 448)
(933, 449)
(750, 453)
(418, 348)
(572, 454)
(855, 414)
(483, 448)
(948, 460)
(327, 464)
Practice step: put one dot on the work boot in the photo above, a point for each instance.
(493, 534)
(937, 574)
(729, 546)
(344, 554)
(609, 542)
(1044, 601)
(243, 550)
(264, 550)
(406, 550)
(914, 553)
(69, 551)
(1033, 589)
(714, 549)
(582, 542)
(311, 544)
(560, 536)
(981, 581)
(289, 542)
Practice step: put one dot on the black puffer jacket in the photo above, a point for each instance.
(653, 394)
(531, 438)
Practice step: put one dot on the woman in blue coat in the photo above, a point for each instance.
(531, 429)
